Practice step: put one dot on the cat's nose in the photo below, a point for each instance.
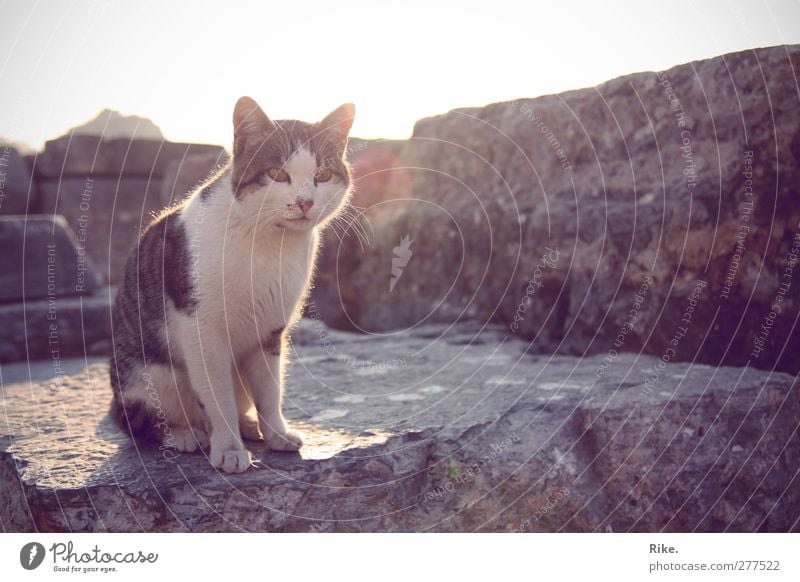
(305, 205)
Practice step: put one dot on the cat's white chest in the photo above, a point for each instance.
(261, 288)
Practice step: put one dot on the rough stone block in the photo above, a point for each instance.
(39, 259)
(183, 175)
(57, 328)
(18, 193)
(666, 178)
(439, 429)
(91, 155)
(106, 214)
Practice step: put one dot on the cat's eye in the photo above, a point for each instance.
(323, 175)
(278, 175)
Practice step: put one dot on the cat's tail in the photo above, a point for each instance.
(136, 418)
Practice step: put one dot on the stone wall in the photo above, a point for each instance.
(69, 216)
(18, 191)
(108, 190)
(656, 212)
(51, 303)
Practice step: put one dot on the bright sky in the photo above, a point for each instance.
(184, 64)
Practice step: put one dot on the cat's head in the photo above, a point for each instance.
(290, 174)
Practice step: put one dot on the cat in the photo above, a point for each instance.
(214, 285)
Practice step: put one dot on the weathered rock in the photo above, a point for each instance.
(587, 220)
(382, 190)
(183, 175)
(80, 156)
(110, 124)
(16, 186)
(109, 188)
(56, 328)
(106, 214)
(438, 429)
(39, 259)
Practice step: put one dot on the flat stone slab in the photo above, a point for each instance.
(436, 429)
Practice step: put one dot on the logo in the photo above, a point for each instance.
(31, 555)
(400, 260)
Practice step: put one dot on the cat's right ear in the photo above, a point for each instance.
(250, 124)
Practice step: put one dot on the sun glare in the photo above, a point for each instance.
(184, 64)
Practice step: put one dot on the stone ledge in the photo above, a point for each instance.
(440, 429)
(92, 155)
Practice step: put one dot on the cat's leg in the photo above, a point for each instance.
(209, 366)
(263, 370)
(157, 404)
(248, 417)
(187, 423)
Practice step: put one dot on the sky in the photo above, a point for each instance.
(183, 64)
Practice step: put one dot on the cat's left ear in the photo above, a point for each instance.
(339, 121)
(251, 125)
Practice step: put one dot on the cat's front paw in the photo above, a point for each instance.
(249, 429)
(231, 460)
(189, 440)
(287, 441)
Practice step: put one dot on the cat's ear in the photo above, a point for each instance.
(339, 121)
(250, 124)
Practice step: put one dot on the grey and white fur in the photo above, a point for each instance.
(216, 282)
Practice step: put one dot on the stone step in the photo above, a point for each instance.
(438, 429)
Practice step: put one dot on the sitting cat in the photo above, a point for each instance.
(215, 283)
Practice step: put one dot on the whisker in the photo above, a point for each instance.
(357, 217)
(262, 215)
(350, 222)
